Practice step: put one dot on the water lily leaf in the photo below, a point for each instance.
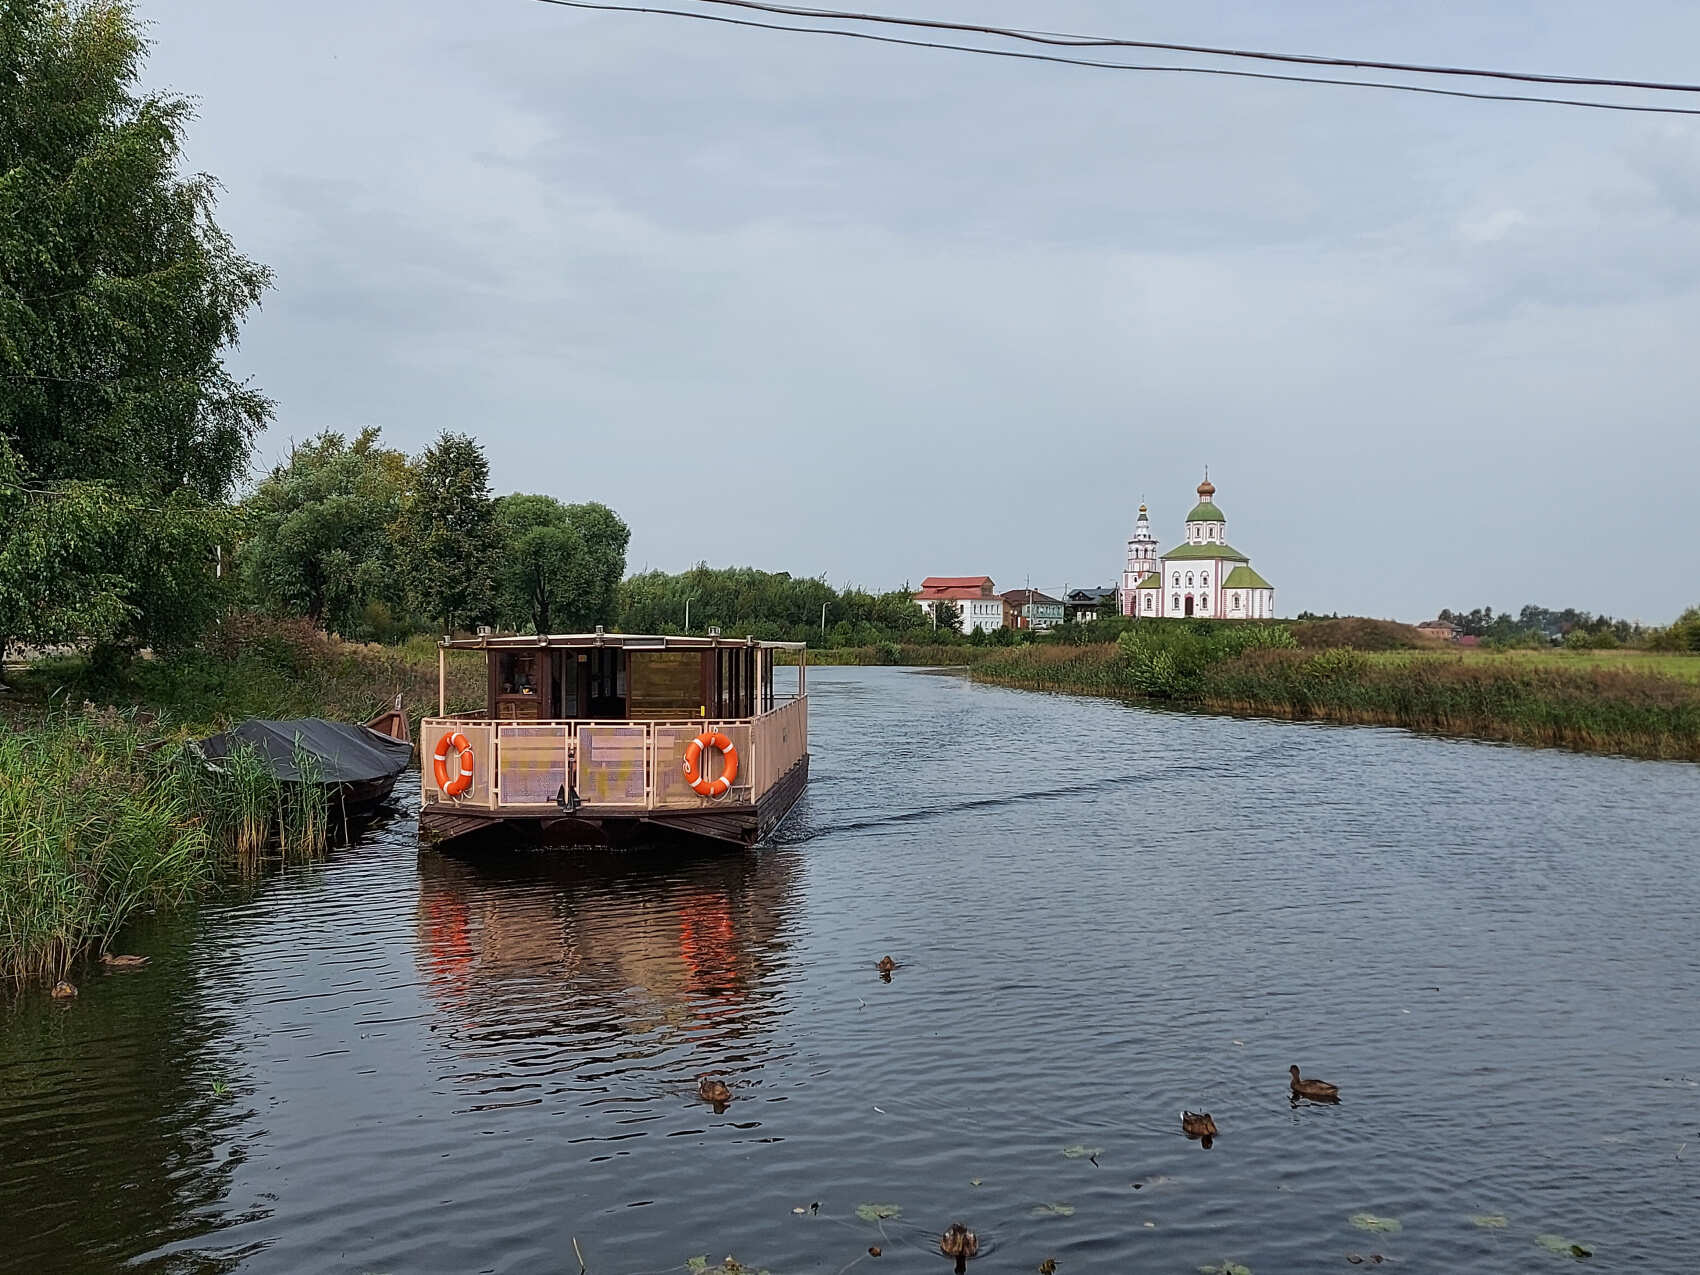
(1563, 1247)
(1226, 1268)
(973, 1181)
(1078, 1152)
(1370, 1222)
(1492, 1221)
(697, 1263)
(1053, 1210)
(875, 1212)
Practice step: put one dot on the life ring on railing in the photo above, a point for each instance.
(702, 786)
(455, 742)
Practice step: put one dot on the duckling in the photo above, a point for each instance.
(961, 1243)
(712, 1090)
(886, 965)
(1315, 1090)
(122, 962)
(63, 990)
(1200, 1125)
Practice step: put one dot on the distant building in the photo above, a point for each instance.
(1085, 604)
(1202, 576)
(1141, 561)
(1030, 609)
(1440, 629)
(974, 597)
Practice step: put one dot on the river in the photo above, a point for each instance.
(398, 1061)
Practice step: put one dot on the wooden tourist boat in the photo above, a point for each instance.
(611, 738)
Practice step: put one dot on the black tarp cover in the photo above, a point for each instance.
(346, 754)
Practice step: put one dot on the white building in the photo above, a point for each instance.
(1202, 576)
(974, 597)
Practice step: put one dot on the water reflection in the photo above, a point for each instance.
(593, 967)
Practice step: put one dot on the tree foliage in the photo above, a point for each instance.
(119, 295)
(772, 605)
(560, 566)
(450, 533)
(322, 530)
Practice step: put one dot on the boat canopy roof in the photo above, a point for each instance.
(618, 641)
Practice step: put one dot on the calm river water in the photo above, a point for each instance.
(402, 1062)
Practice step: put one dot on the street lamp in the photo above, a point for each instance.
(688, 602)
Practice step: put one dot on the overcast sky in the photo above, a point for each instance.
(824, 306)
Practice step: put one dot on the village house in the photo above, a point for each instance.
(1030, 609)
(1088, 604)
(974, 597)
(1440, 629)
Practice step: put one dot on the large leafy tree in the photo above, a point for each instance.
(119, 296)
(449, 541)
(559, 565)
(322, 530)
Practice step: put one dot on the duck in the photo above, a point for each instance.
(63, 990)
(1315, 1090)
(122, 962)
(885, 965)
(1200, 1125)
(959, 1242)
(713, 1090)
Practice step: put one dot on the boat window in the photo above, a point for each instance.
(516, 686)
(666, 684)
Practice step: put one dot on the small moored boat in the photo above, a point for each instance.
(612, 738)
(358, 765)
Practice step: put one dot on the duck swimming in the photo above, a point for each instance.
(63, 990)
(1200, 1125)
(1315, 1090)
(122, 962)
(959, 1242)
(886, 965)
(713, 1090)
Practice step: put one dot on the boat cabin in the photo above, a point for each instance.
(607, 736)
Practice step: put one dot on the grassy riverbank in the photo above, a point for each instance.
(1624, 703)
(105, 810)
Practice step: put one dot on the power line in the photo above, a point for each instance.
(1094, 41)
(1119, 66)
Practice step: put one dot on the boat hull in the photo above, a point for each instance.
(442, 824)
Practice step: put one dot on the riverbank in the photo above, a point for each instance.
(1627, 703)
(105, 810)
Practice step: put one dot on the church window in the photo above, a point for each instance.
(1177, 579)
(1177, 602)
(1189, 579)
(1236, 602)
(1204, 578)
(1204, 602)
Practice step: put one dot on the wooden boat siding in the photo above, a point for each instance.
(625, 766)
(743, 824)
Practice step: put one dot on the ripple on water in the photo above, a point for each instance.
(400, 1060)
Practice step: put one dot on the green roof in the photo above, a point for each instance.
(1152, 581)
(1243, 577)
(1206, 512)
(1210, 549)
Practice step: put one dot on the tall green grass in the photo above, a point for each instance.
(104, 813)
(1550, 703)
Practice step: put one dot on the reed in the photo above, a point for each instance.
(1578, 705)
(104, 813)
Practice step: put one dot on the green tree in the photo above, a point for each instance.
(54, 584)
(322, 530)
(449, 539)
(119, 295)
(948, 615)
(560, 566)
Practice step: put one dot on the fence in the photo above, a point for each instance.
(613, 765)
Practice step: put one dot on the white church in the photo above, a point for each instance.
(1202, 576)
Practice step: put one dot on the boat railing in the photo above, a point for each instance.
(614, 765)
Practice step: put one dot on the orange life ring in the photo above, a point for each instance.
(704, 787)
(455, 742)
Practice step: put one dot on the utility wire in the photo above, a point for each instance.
(1119, 66)
(1093, 41)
